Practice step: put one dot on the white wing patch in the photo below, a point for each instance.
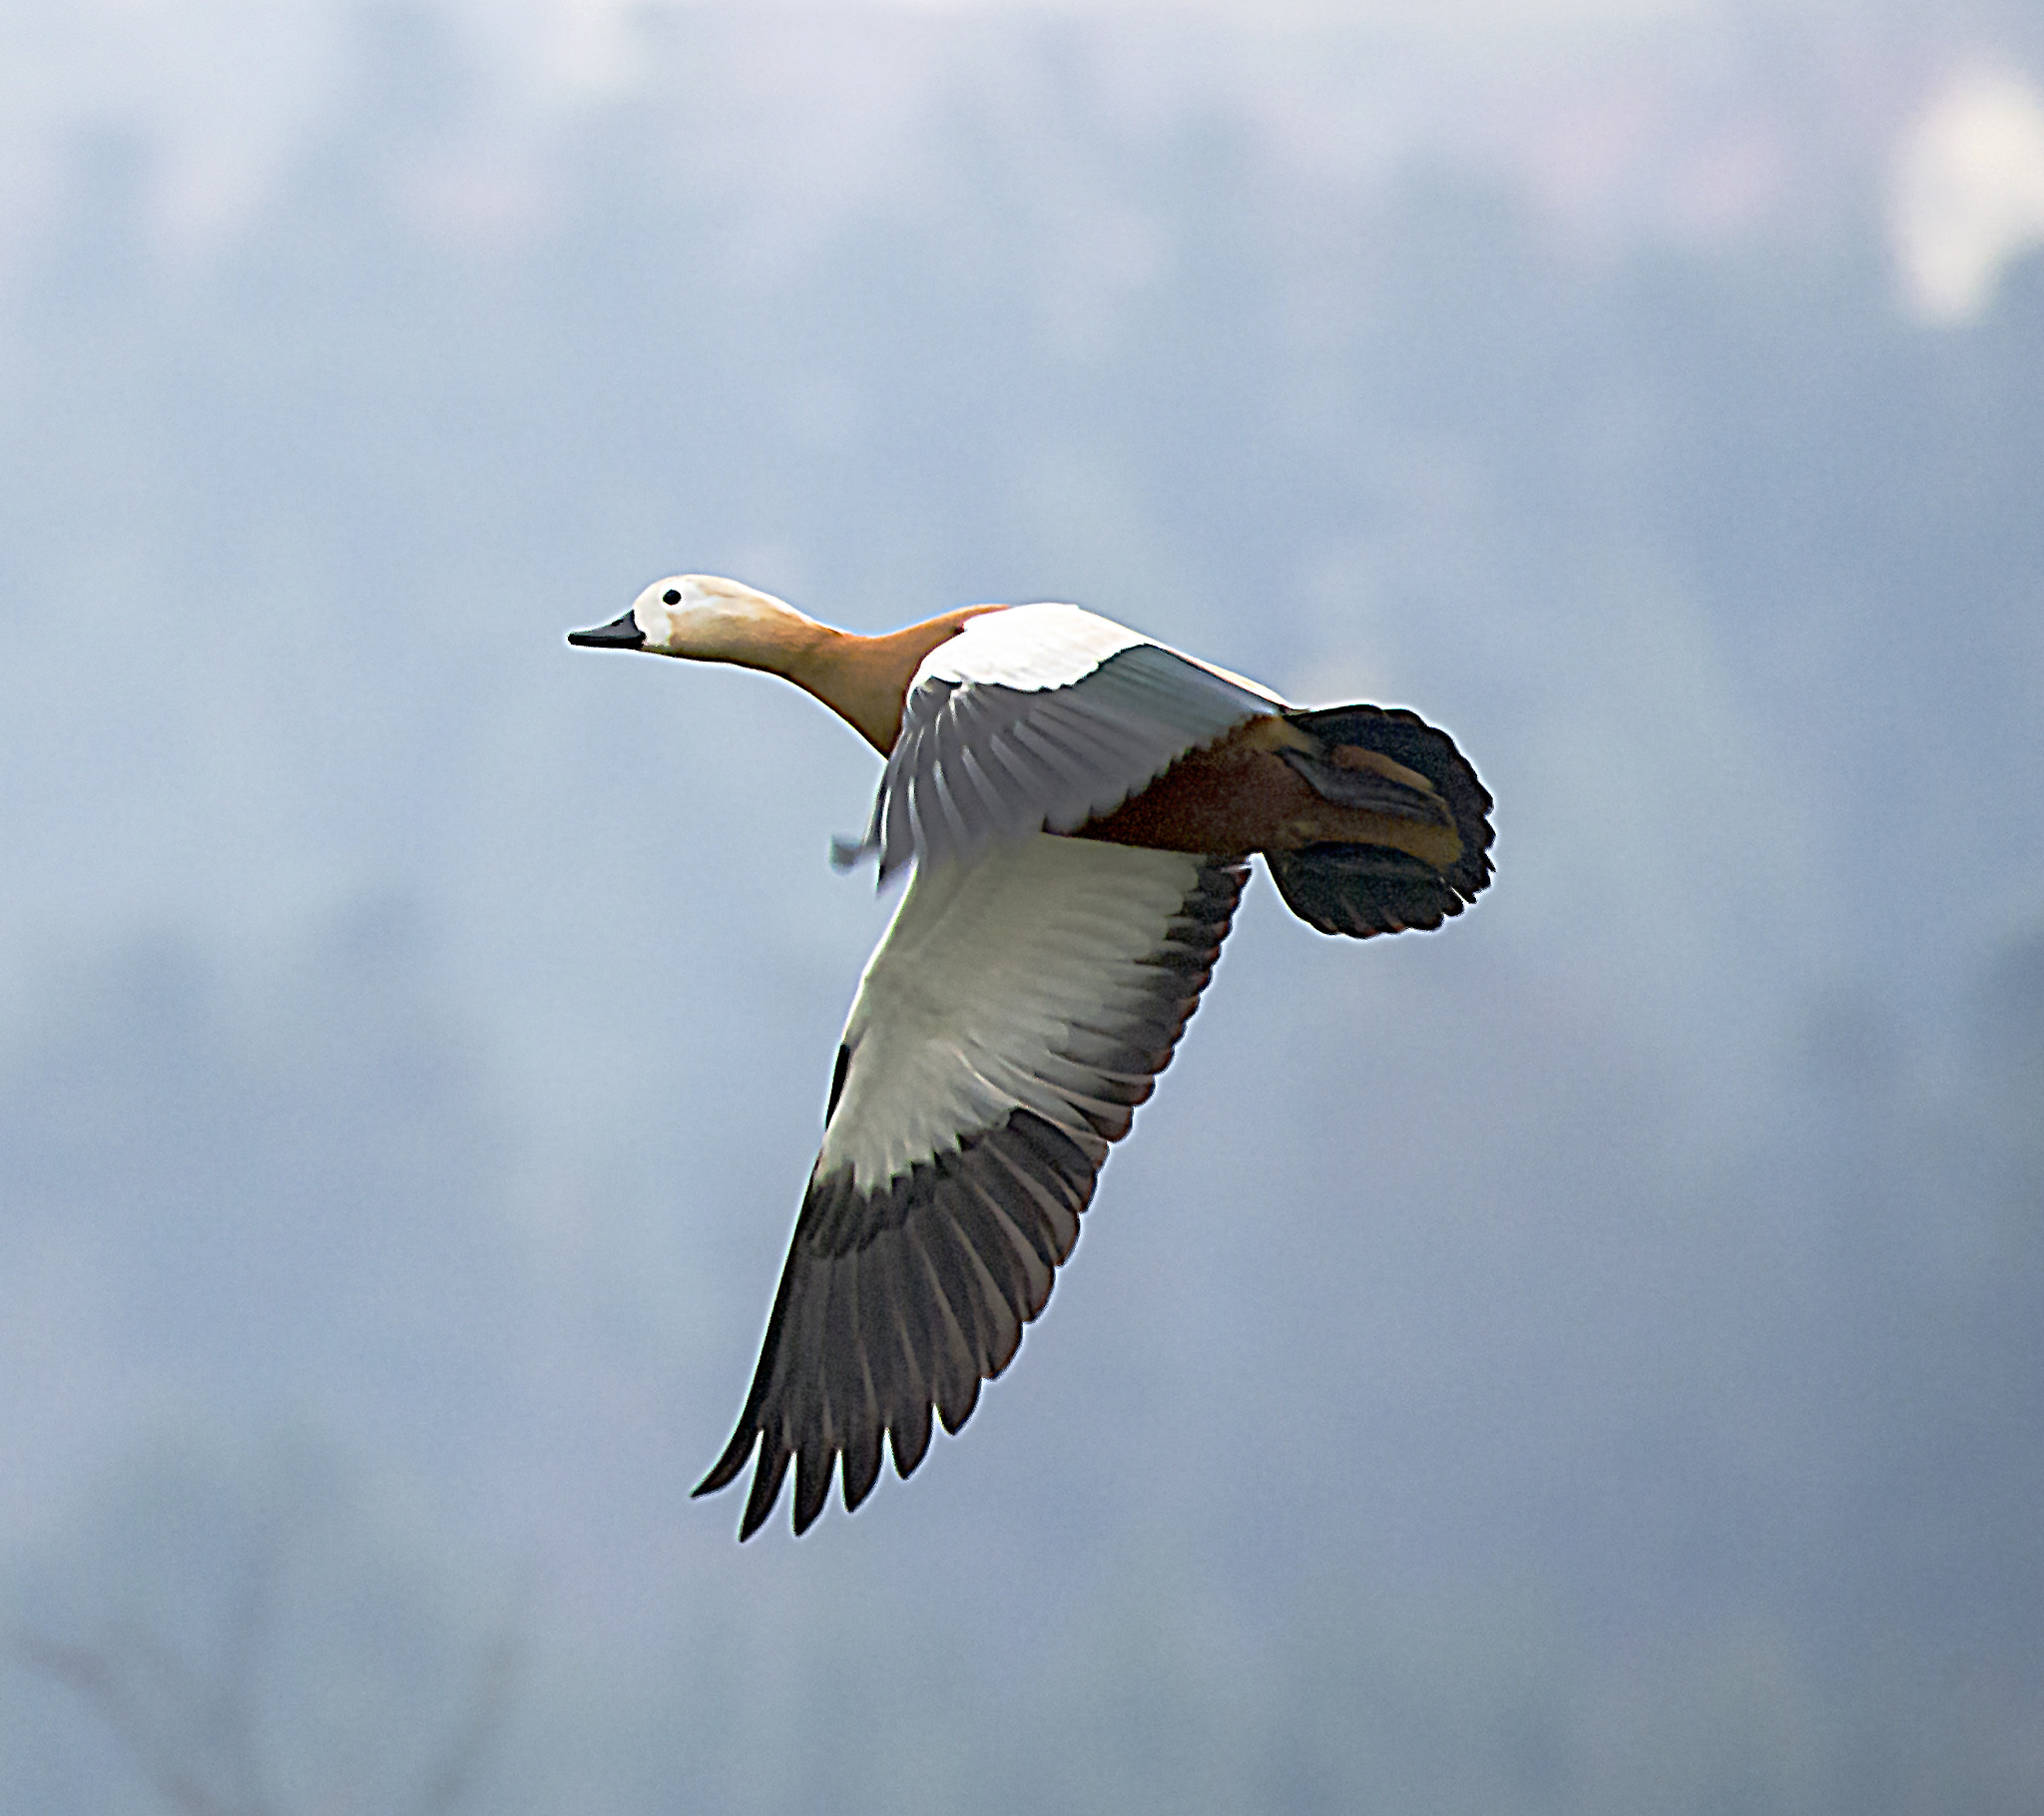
(1038, 719)
(1028, 647)
(995, 987)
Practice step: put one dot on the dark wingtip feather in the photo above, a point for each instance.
(910, 1449)
(960, 1410)
(812, 1468)
(727, 1469)
(861, 1468)
(766, 1480)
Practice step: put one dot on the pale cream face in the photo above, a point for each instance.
(705, 618)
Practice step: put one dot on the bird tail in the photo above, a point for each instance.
(1394, 764)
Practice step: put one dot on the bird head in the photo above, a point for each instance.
(700, 617)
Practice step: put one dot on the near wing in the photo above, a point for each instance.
(1016, 1012)
(1039, 718)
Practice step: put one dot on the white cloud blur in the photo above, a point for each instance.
(221, 94)
(1967, 192)
(1618, 121)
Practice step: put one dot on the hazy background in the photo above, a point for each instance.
(1589, 1360)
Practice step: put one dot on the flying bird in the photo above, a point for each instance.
(1078, 804)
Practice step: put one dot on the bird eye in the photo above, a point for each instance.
(669, 598)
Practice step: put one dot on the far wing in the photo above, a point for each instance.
(1037, 718)
(1016, 1013)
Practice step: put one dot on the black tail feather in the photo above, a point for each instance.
(1365, 889)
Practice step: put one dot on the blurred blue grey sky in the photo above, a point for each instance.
(1588, 1359)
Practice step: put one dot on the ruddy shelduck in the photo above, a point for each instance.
(1078, 805)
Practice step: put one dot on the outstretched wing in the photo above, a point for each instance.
(1037, 718)
(1016, 1013)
